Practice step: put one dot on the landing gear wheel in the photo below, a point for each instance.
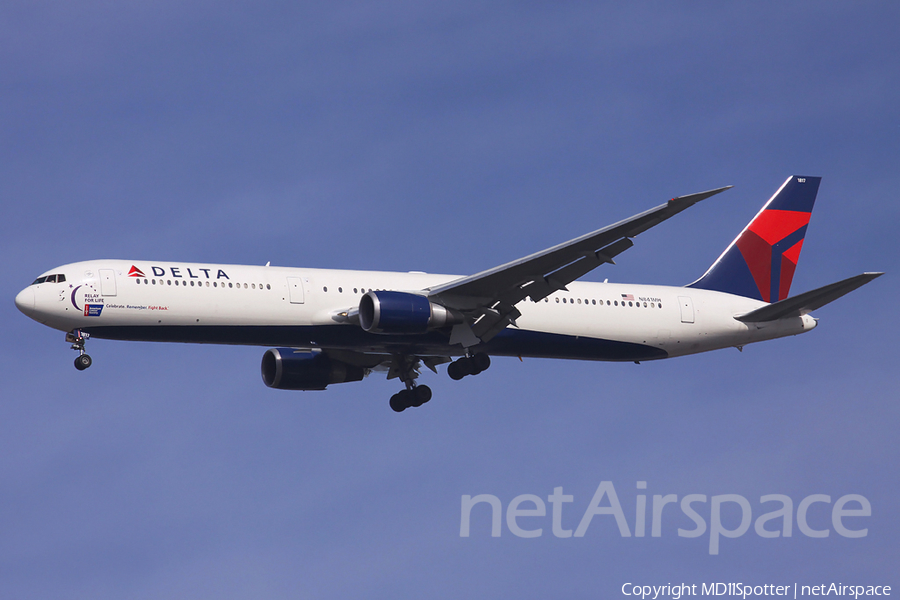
(455, 371)
(420, 395)
(398, 402)
(481, 361)
(466, 366)
(83, 362)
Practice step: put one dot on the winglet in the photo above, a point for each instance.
(694, 198)
(672, 208)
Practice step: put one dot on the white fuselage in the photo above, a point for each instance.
(306, 308)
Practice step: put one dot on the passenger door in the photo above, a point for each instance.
(107, 282)
(295, 290)
(687, 309)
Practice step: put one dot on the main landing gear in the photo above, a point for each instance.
(77, 339)
(468, 365)
(405, 367)
(412, 397)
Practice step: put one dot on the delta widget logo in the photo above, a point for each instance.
(771, 248)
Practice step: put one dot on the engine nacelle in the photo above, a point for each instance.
(289, 369)
(403, 313)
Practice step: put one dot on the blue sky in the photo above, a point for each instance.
(419, 136)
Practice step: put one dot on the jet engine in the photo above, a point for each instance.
(289, 369)
(403, 313)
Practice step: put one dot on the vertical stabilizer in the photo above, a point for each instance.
(761, 261)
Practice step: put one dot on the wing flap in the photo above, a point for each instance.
(558, 280)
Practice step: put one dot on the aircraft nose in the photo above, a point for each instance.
(25, 301)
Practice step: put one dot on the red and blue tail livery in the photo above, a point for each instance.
(761, 261)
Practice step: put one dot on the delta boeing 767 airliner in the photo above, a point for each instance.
(334, 326)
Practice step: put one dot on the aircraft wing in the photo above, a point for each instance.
(488, 298)
(807, 302)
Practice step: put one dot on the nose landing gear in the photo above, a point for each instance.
(77, 338)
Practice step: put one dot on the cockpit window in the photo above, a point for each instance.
(56, 278)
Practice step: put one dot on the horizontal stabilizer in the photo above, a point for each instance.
(807, 302)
